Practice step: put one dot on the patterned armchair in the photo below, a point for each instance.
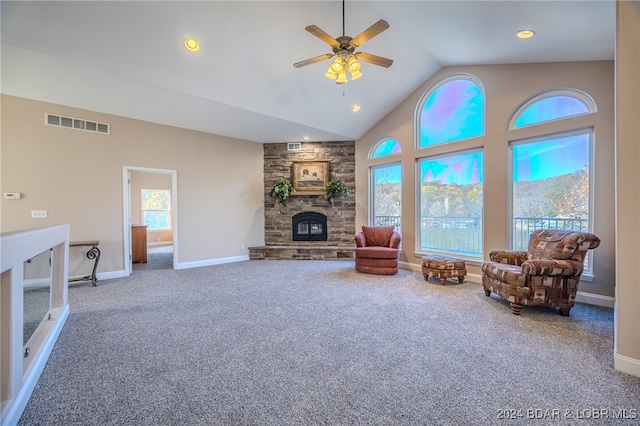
(547, 273)
(377, 250)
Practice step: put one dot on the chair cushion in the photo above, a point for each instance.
(375, 252)
(443, 262)
(378, 235)
(509, 274)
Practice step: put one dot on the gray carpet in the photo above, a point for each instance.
(315, 342)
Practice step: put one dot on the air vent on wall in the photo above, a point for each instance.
(77, 123)
(294, 146)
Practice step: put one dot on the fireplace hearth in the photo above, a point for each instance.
(309, 226)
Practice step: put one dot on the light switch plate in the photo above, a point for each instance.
(38, 214)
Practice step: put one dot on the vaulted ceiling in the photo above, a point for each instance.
(128, 58)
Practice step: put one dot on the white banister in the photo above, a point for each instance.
(22, 363)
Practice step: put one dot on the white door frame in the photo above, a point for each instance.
(126, 210)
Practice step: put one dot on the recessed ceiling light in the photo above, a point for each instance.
(191, 44)
(355, 108)
(525, 33)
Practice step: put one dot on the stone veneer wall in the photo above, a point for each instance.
(340, 217)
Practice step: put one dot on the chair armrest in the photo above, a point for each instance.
(509, 257)
(395, 240)
(361, 241)
(552, 268)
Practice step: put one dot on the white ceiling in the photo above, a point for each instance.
(127, 58)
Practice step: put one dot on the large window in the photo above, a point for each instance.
(156, 209)
(551, 175)
(451, 204)
(551, 184)
(452, 111)
(386, 196)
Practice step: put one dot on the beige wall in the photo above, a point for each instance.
(145, 180)
(77, 177)
(627, 320)
(506, 88)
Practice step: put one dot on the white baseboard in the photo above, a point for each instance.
(595, 299)
(185, 265)
(211, 262)
(626, 365)
(410, 266)
(101, 276)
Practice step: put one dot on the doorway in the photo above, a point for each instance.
(160, 248)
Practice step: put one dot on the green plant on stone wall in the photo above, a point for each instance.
(282, 190)
(335, 189)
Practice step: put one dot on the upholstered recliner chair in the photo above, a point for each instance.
(547, 273)
(377, 250)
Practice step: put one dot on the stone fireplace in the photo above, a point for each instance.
(326, 235)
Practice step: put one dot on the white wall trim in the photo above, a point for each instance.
(595, 299)
(211, 262)
(126, 211)
(101, 276)
(626, 364)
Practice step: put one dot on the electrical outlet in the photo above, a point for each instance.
(242, 246)
(38, 214)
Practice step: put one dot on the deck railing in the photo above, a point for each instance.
(463, 234)
(524, 226)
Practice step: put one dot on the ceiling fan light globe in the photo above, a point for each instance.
(330, 74)
(354, 66)
(337, 65)
(342, 77)
(356, 75)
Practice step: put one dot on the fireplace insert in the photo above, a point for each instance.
(309, 226)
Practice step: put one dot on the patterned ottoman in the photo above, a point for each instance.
(443, 267)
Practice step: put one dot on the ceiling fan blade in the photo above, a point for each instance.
(312, 60)
(373, 59)
(370, 32)
(322, 35)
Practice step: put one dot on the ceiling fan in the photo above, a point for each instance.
(344, 50)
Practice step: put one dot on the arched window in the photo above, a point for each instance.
(385, 147)
(451, 111)
(552, 105)
(385, 189)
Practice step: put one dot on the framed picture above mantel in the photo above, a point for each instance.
(309, 177)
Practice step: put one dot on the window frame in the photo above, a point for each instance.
(375, 146)
(168, 209)
(573, 93)
(587, 274)
(426, 95)
(477, 259)
(372, 168)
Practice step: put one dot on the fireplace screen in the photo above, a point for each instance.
(309, 226)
